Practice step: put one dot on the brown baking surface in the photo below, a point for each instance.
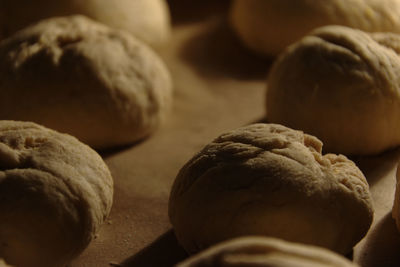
(218, 86)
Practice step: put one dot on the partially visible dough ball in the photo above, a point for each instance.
(3, 264)
(268, 26)
(265, 252)
(266, 179)
(341, 85)
(55, 193)
(396, 203)
(149, 20)
(80, 77)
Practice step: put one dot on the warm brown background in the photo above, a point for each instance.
(219, 86)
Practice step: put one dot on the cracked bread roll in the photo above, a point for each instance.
(55, 193)
(269, 180)
(265, 252)
(148, 20)
(80, 77)
(341, 85)
(269, 26)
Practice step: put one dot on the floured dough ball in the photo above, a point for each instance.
(55, 193)
(341, 85)
(266, 179)
(80, 77)
(265, 252)
(149, 20)
(268, 26)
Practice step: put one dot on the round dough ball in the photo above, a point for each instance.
(149, 20)
(265, 251)
(268, 26)
(341, 85)
(55, 193)
(266, 179)
(77, 76)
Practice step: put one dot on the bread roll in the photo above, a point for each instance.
(269, 180)
(269, 26)
(265, 252)
(80, 77)
(148, 20)
(341, 85)
(55, 193)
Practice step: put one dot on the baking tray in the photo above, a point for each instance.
(219, 86)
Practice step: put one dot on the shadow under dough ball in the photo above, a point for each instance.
(148, 20)
(55, 193)
(80, 77)
(269, 26)
(266, 179)
(342, 86)
(253, 251)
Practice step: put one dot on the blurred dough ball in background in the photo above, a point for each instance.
(253, 251)
(269, 180)
(341, 85)
(55, 193)
(268, 26)
(148, 20)
(3, 264)
(81, 77)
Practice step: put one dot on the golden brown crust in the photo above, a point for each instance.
(266, 179)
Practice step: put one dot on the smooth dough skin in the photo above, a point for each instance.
(269, 180)
(55, 193)
(148, 20)
(265, 252)
(77, 76)
(341, 85)
(269, 26)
